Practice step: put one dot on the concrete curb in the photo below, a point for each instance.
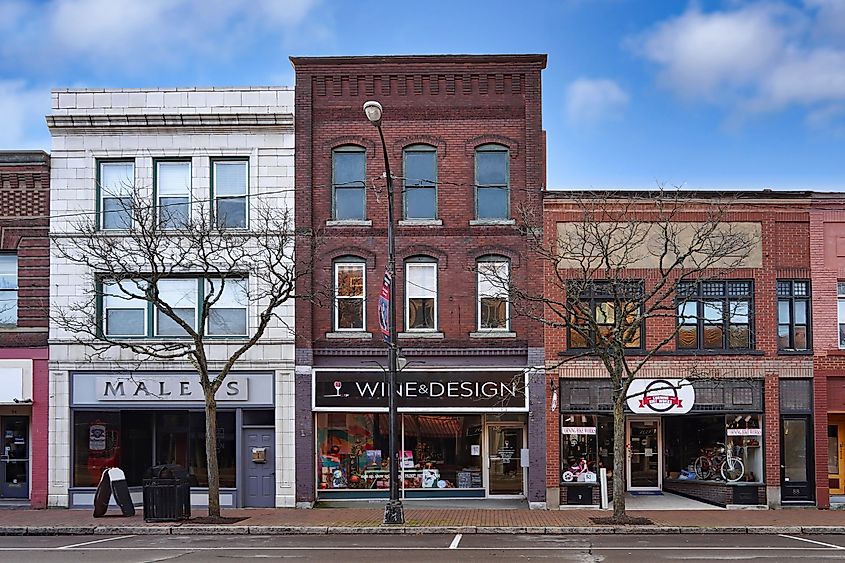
(196, 530)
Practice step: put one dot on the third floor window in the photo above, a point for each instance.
(420, 172)
(173, 193)
(231, 178)
(349, 165)
(116, 187)
(492, 182)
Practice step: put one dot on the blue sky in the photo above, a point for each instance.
(704, 94)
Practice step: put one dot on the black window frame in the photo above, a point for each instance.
(700, 295)
(592, 294)
(788, 295)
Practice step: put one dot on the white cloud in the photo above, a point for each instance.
(589, 101)
(758, 57)
(143, 33)
(23, 110)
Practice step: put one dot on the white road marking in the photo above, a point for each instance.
(830, 545)
(72, 546)
(81, 547)
(456, 541)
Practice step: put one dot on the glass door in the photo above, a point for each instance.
(835, 455)
(796, 459)
(14, 458)
(644, 455)
(504, 460)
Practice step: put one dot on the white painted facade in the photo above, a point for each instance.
(200, 124)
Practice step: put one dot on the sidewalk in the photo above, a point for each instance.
(443, 520)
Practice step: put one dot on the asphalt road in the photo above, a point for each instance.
(428, 548)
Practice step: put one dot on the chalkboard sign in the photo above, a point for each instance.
(464, 479)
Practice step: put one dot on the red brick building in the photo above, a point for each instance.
(758, 346)
(466, 146)
(24, 299)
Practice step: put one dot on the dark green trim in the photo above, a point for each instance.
(98, 162)
(211, 197)
(156, 161)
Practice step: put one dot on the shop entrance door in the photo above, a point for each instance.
(14, 458)
(796, 459)
(836, 454)
(645, 457)
(505, 475)
(259, 463)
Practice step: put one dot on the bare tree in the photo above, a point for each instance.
(637, 257)
(154, 245)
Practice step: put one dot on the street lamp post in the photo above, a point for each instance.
(393, 511)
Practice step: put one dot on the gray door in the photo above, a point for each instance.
(259, 462)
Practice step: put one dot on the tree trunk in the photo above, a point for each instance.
(619, 456)
(211, 454)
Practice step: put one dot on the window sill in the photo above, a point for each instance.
(434, 335)
(492, 334)
(587, 352)
(491, 222)
(796, 352)
(712, 353)
(351, 335)
(12, 329)
(420, 222)
(349, 223)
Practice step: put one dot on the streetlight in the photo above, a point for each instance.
(393, 512)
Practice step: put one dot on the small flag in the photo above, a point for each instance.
(384, 307)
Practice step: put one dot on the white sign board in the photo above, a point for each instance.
(165, 388)
(578, 430)
(11, 385)
(745, 431)
(660, 396)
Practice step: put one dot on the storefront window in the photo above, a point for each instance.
(352, 451)
(441, 452)
(696, 447)
(589, 437)
(136, 440)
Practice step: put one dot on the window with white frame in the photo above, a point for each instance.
(228, 315)
(116, 183)
(493, 282)
(231, 178)
(8, 290)
(181, 296)
(350, 296)
(420, 173)
(421, 296)
(173, 193)
(124, 308)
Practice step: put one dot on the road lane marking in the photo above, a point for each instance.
(75, 545)
(456, 541)
(82, 547)
(830, 545)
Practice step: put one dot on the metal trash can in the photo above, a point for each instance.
(167, 494)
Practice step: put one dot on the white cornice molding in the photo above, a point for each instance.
(203, 121)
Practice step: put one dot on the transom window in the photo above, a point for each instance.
(421, 295)
(231, 180)
(349, 166)
(116, 184)
(8, 290)
(597, 307)
(350, 295)
(126, 310)
(492, 182)
(715, 315)
(793, 314)
(420, 173)
(173, 193)
(493, 280)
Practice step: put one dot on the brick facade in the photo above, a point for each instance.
(453, 104)
(24, 212)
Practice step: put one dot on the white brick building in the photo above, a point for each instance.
(196, 131)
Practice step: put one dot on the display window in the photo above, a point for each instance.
(438, 452)
(589, 438)
(135, 440)
(726, 448)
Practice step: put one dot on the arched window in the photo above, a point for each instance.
(350, 294)
(420, 172)
(349, 169)
(493, 289)
(492, 182)
(421, 294)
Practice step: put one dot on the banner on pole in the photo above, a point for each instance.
(384, 307)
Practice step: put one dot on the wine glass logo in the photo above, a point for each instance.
(337, 386)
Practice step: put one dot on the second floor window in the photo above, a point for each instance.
(841, 306)
(421, 296)
(793, 314)
(173, 193)
(116, 183)
(349, 165)
(715, 315)
(605, 311)
(181, 296)
(350, 296)
(8, 290)
(492, 182)
(231, 178)
(420, 182)
(493, 278)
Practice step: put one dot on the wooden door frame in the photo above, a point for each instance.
(658, 422)
(838, 420)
